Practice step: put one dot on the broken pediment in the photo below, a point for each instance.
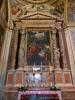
(39, 16)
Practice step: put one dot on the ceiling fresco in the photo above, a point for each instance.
(23, 7)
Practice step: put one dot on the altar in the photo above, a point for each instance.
(39, 95)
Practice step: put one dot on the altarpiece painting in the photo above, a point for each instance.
(38, 48)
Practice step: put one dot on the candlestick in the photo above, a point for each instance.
(34, 64)
(49, 67)
(34, 67)
(41, 66)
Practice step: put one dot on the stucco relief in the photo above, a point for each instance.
(71, 11)
(71, 14)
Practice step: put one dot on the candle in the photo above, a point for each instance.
(34, 64)
(49, 67)
(41, 66)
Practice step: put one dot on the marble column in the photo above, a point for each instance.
(51, 51)
(21, 56)
(63, 55)
(26, 39)
(14, 48)
(55, 50)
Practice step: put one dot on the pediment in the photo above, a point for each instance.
(39, 16)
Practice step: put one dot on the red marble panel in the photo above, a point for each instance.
(9, 79)
(58, 77)
(67, 77)
(19, 78)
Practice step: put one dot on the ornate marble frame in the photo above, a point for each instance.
(44, 24)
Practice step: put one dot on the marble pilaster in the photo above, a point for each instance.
(63, 55)
(55, 51)
(51, 46)
(21, 56)
(14, 48)
(5, 61)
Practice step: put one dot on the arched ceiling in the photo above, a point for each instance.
(35, 1)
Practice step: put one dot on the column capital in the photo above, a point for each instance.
(54, 30)
(9, 30)
(16, 29)
(58, 25)
(22, 31)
